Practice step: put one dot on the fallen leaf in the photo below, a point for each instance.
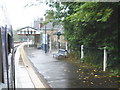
(77, 71)
(91, 82)
(94, 70)
(87, 77)
(117, 76)
(92, 73)
(96, 75)
(83, 81)
(82, 72)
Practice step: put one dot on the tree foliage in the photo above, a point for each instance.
(91, 24)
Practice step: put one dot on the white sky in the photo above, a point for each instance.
(21, 16)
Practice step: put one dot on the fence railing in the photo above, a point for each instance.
(94, 56)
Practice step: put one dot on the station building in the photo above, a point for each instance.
(48, 36)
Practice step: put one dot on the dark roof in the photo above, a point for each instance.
(26, 27)
(49, 26)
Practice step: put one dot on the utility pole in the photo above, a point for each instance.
(58, 34)
(27, 36)
(45, 40)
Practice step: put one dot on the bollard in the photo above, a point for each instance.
(27, 42)
(50, 45)
(82, 53)
(66, 44)
(105, 59)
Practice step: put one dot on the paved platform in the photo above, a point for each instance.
(22, 78)
(60, 73)
(57, 73)
(24, 74)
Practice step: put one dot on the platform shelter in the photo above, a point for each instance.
(30, 31)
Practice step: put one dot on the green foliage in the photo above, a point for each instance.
(93, 24)
(49, 16)
(93, 56)
(115, 70)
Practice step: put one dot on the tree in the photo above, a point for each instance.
(90, 23)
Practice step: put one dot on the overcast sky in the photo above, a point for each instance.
(21, 16)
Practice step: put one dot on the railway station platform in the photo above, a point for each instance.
(31, 71)
(25, 76)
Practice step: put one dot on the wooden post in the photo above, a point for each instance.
(82, 53)
(105, 59)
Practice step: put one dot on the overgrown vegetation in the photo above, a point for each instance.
(93, 24)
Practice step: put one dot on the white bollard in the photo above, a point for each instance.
(82, 53)
(27, 42)
(66, 44)
(50, 45)
(105, 59)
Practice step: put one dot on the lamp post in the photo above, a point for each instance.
(58, 34)
(45, 40)
(27, 33)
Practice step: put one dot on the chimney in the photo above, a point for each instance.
(41, 25)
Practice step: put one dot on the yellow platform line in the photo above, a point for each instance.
(33, 75)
